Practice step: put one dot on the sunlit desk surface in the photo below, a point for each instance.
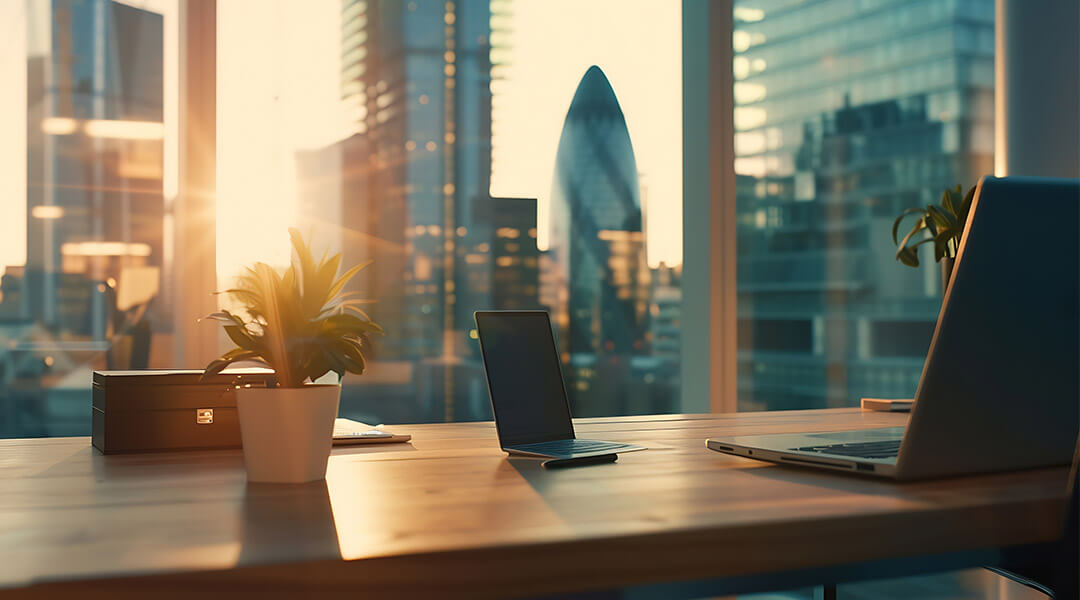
(449, 515)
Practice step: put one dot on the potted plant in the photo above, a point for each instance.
(300, 324)
(945, 225)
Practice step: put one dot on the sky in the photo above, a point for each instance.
(278, 93)
(13, 28)
(279, 74)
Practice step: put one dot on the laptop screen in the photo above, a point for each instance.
(524, 377)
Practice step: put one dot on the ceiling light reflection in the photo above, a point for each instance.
(59, 126)
(124, 130)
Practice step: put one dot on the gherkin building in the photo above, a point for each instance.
(596, 239)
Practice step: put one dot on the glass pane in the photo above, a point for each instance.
(88, 115)
(846, 113)
(479, 165)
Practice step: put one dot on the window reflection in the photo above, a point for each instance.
(376, 128)
(845, 114)
(86, 291)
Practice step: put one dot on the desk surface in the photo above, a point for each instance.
(450, 514)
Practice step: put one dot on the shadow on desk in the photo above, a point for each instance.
(282, 521)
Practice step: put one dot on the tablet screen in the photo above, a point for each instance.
(524, 377)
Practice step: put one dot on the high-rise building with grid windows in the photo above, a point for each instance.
(416, 76)
(846, 113)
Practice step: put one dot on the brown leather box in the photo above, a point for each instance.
(152, 411)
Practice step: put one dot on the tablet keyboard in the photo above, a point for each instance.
(570, 447)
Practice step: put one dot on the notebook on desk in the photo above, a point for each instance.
(348, 432)
(887, 405)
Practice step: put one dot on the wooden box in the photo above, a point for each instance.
(152, 411)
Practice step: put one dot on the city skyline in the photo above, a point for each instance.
(301, 99)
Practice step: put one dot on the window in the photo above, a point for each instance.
(86, 164)
(482, 165)
(482, 154)
(846, 113)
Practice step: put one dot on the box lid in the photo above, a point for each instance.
(173, 388)
(181, 376)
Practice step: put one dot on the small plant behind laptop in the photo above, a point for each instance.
(945, 226)
(301, 324)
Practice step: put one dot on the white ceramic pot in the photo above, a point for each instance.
(287, 432)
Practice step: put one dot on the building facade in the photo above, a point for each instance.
(409, 189)
(598, 250)
(96, 259)
(417, 78)
(846, 114)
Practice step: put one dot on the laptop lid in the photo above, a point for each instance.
(1000, 388)
(524, 377)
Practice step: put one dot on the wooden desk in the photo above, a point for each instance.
(450, 515)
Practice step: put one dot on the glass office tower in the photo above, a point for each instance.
(416, 75)
(409, 189)
(602, 295)
(846, 113)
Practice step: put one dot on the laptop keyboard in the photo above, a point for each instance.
(561, 447)
(884, 449)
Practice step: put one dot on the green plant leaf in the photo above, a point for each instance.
(240, 337)
(941, 219)
(908, 256)
(340, 283)
(351, 324)
(220, 364)
(965, 206)
(903, 215)
(950, 200)
(354, 309)
(920, 225)
(301, 324)
(335, 360)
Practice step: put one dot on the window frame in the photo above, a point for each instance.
(194, 274)
(708, 311)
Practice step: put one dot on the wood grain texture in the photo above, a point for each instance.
(450, 515)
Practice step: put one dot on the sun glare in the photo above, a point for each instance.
(278, 93)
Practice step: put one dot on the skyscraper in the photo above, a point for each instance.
(515, 278)
(408, 189)
(597, 244)
(416, 75)
(846, 114)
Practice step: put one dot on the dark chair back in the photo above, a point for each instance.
(1056, 575)
(1068, 571)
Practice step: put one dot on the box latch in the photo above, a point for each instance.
(204, 416)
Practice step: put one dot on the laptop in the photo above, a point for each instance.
(999, 389)
(528, 397)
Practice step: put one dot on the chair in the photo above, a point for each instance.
(1059, 576)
